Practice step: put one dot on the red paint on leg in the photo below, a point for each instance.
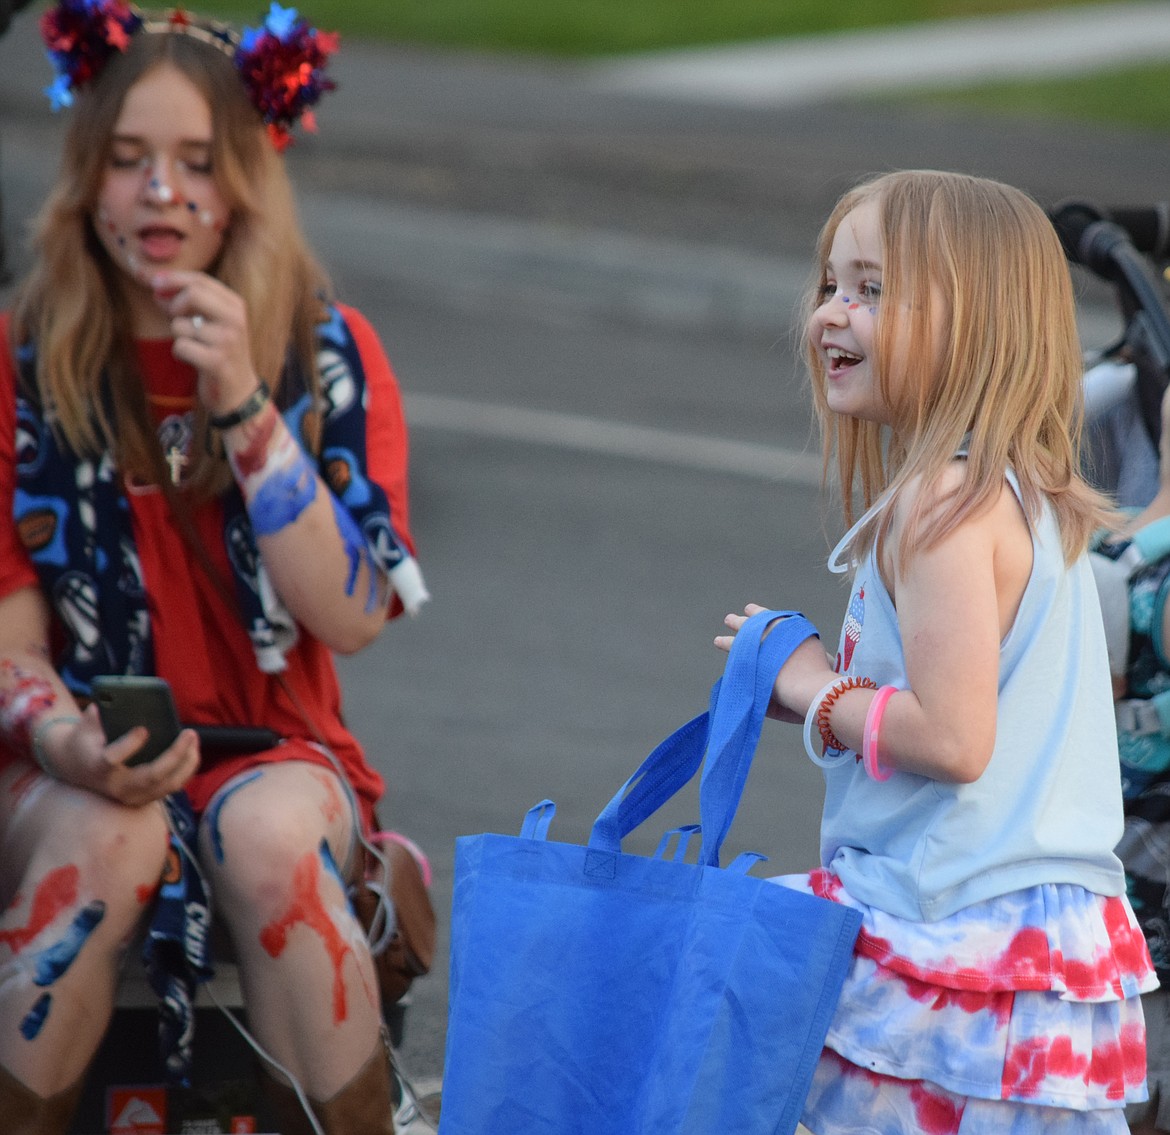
(56, 892)
(308, 907)
(333, 805)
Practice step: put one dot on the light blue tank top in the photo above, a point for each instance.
(1048, 807)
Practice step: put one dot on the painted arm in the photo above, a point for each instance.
(314, 554)
(34, 703)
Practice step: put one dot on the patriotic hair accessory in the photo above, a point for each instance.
(281, 63)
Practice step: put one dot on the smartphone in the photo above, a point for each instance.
(125, 700)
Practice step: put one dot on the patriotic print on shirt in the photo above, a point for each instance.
(851, 632)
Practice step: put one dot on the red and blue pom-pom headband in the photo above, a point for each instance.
(281, 63)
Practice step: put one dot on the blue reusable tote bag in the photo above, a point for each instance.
(602, 993)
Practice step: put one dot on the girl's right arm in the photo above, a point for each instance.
(41, 721)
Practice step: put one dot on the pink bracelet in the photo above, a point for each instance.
(873, 722)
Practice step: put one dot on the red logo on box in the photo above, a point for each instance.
(136, 1111)
(243, 1125)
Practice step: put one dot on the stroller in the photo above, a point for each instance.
(1129, 248)
(1124, 389)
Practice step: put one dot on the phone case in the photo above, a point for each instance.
(125, 701)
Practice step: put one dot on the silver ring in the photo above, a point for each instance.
(197, 322)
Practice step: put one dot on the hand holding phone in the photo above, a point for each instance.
(126, 700)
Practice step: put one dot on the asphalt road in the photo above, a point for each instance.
(588, 297)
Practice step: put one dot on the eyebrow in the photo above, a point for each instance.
(859, 265)
(184, 143)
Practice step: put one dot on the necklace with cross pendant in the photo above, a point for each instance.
(176, 461)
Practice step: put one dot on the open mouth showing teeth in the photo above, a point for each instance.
(839, 358)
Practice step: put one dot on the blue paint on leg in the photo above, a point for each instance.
(30, 1027)
(54, 960)
(331, 866)
(217, 805)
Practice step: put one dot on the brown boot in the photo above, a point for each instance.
(364, 1106)
(23, 1112)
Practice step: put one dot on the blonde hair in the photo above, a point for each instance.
(72, 306)
(1005, 381)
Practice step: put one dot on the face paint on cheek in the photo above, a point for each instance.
(207, 218)
(120, 242)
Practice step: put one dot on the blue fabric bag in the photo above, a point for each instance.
(603, 993)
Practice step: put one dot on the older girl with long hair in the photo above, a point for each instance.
(204, 457)
(965, 721)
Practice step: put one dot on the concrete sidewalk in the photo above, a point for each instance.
(1026, 45)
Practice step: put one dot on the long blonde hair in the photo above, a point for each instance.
(1005, 383)
(72, 306)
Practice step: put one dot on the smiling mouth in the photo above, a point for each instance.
(839, 360)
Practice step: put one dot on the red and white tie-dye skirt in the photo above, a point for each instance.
(1016, 1015)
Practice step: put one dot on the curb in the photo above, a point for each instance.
(943, 53)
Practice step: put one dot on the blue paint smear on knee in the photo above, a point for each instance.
(331, 866)
(283, 497)
(217, 805)
(54, 960)
(30, 1027)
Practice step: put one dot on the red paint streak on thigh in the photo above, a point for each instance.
(57, 892)
(332, 808)
(307, 907)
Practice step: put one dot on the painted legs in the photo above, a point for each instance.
(77, 873)
(276, 843)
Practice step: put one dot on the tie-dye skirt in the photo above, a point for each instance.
(1016, 1015)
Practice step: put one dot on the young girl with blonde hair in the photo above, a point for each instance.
(964, 723)
(204, 459)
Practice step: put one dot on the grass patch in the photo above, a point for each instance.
(1132, 96)
(1137, 96)
(604, 27)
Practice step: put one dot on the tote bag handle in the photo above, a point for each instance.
(727, 734)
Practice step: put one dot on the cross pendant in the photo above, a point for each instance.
(176, 460)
